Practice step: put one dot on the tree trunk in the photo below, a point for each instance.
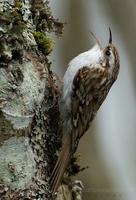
(30, 127)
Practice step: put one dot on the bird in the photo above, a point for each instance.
(86, 83)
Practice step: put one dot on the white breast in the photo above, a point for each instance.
(93, 56)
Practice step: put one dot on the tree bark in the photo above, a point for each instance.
(30, 127)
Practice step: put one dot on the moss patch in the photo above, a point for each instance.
(44, 43)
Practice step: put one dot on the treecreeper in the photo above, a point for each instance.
(86, 83)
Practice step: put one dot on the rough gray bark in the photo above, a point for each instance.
(30, 127)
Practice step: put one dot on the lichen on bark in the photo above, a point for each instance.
(30, 125)
(30, 128)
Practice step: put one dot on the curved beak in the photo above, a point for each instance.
(110, 36)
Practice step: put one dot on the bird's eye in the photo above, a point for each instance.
(107, 53)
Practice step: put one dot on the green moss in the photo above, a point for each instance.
(44, 43)
(15, 13)
(7, 10)
(74, 195)
(22, 24)
(14, 16)
(18, 18)
(74, 168)
(18, 4)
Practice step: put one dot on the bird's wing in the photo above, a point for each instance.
(84, 102)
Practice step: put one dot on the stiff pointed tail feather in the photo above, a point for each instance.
(60, 167)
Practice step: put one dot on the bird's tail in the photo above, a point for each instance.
(60, 167)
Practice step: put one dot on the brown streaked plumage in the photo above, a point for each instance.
(86, 84)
